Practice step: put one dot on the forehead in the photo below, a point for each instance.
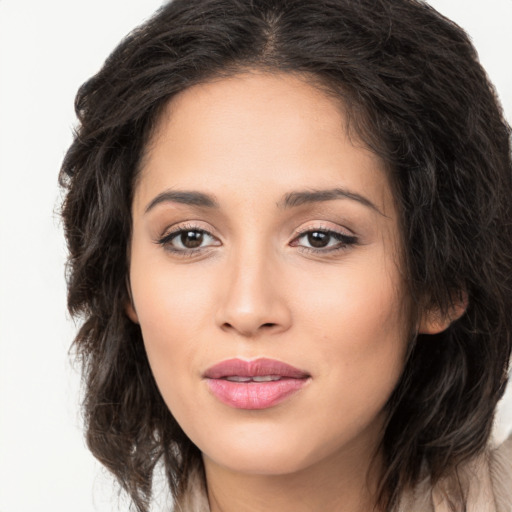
(259, 127)
(248, 101)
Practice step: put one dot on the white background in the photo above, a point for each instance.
(47, 49)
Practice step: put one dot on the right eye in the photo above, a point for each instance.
(186, 240)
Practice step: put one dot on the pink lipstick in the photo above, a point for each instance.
(256, 384)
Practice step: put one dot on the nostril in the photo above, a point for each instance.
(249, 331)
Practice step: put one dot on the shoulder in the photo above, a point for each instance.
(500, 470)
(486, 483)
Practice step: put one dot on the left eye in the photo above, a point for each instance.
(325, 239)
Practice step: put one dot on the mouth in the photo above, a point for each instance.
(257, 384)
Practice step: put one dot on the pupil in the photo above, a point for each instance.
(318, 239)
(191, 239)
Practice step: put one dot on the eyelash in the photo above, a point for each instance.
(345, 240)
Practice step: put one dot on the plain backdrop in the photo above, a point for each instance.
(47, 49)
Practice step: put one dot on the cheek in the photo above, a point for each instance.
(359, 326)
(169, 298)
(358, 308)
(170, 331)
(168, 307)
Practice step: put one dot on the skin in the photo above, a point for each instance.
(253, 290)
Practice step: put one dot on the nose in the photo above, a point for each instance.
(252, 299)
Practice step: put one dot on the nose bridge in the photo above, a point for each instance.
(252, 298)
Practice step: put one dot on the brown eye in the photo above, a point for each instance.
(324, 241)
(318, 238)
(187, 240)
(191, 239)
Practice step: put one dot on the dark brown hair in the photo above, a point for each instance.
(416, 94)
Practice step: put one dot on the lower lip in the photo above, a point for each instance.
(254, 395)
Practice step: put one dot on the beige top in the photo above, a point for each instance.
(486, 480)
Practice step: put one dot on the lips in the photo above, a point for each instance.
(256, 384)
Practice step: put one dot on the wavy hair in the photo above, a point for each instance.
(417, 96)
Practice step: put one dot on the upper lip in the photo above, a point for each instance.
(255, 368)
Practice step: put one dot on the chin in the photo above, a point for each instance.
(264, 450)
(263, 462)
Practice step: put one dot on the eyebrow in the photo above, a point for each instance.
(289, 200)
(299, 198)
(184, 197)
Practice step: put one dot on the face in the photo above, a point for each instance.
(265, 275)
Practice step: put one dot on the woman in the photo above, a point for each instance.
(290, 240)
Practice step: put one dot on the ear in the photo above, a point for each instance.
(130, 306)
(131, 313)
(434, 321)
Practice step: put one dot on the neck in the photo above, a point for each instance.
(340, 484)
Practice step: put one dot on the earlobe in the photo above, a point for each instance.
(131, 313)
(130, 307)
(434, 321)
